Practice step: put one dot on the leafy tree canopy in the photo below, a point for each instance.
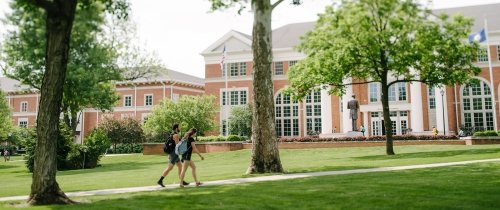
(189, 112)
(371, 40)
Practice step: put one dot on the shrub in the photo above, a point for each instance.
(123, 131)
(486, 133)
(89, 154)
(64, 146)
(211, 138)
(127, 148)
(233, 138)
(371, 138)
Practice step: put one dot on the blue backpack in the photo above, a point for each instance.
(181, 147)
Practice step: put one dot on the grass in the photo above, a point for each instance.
(139, 170)
(472, 186)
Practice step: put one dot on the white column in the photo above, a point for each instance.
(417, 119)
(326, 112)
(346, 121)
(441, 105)
(366, 123)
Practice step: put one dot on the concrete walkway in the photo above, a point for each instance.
(258, 179)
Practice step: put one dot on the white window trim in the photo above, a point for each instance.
(21, 108)
(228, 100)
(19, 120)
(379, 92)
(472, 110)
(485, 49)
(125, 100)
(145, 99)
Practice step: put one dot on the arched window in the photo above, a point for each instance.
(477, 105)
(287, 116)
(313, 113)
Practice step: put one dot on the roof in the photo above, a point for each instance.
(170, 75)
(288, 36)
(11, 85)
(489, 11)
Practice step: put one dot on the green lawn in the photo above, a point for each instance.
(139, 170)
(474, 186)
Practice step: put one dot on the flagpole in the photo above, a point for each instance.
(492, 89)
(227, 102)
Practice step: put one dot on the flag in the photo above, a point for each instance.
(478, 37)
(223, 57)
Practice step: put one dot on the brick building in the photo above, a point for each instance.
(137, 99)
(414, 107)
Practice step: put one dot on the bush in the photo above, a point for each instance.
(485, 133)
(127, 148)
(89, 154)
(233, 138)
(371, 138)
(211, 138)
(64, 146)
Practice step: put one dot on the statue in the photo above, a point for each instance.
(353, 105)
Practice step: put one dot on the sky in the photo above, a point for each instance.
(178, 31)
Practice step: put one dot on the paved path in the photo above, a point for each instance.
(259, 179)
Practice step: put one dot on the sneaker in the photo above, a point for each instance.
(161, 183)
(185, 183)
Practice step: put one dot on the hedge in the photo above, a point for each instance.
(370, 138)
(486, 133)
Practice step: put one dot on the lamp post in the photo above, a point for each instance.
(442, 107)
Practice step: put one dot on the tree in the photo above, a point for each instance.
(189, 112)
(91, 65)
(265, 153)
(59, 18)
(122, 131)
(5, 119)
(240, 121)
(374, 40)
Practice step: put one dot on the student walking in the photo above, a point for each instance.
(173, 159)
(186, 157)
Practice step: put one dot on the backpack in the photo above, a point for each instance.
(169, 144)
(181, 147)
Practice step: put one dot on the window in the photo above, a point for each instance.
(397, 92)
(477, 105)
(287, 115)
(23, 122)
(431, 94)
(482, 55)
(236, 69)
(498, 52)
(236, 97)
(233, 69)
(243, 97)
(278, 68)
(313, 113)
(148, 100)
(243, 69)
(291, 63)
(24, 106)
(127, 101)
(373, 89)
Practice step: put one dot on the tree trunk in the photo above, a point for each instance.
(265, 154)
(387, 117)
(44, 188)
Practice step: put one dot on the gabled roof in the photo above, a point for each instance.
(241, 42)
(288, 36)
(167, 75)
(489, 11)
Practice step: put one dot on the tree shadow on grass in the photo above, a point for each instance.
(6, 166)
(432, 154)
(123, 166)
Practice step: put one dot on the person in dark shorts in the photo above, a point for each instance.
(173, 159)
(186, 157)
